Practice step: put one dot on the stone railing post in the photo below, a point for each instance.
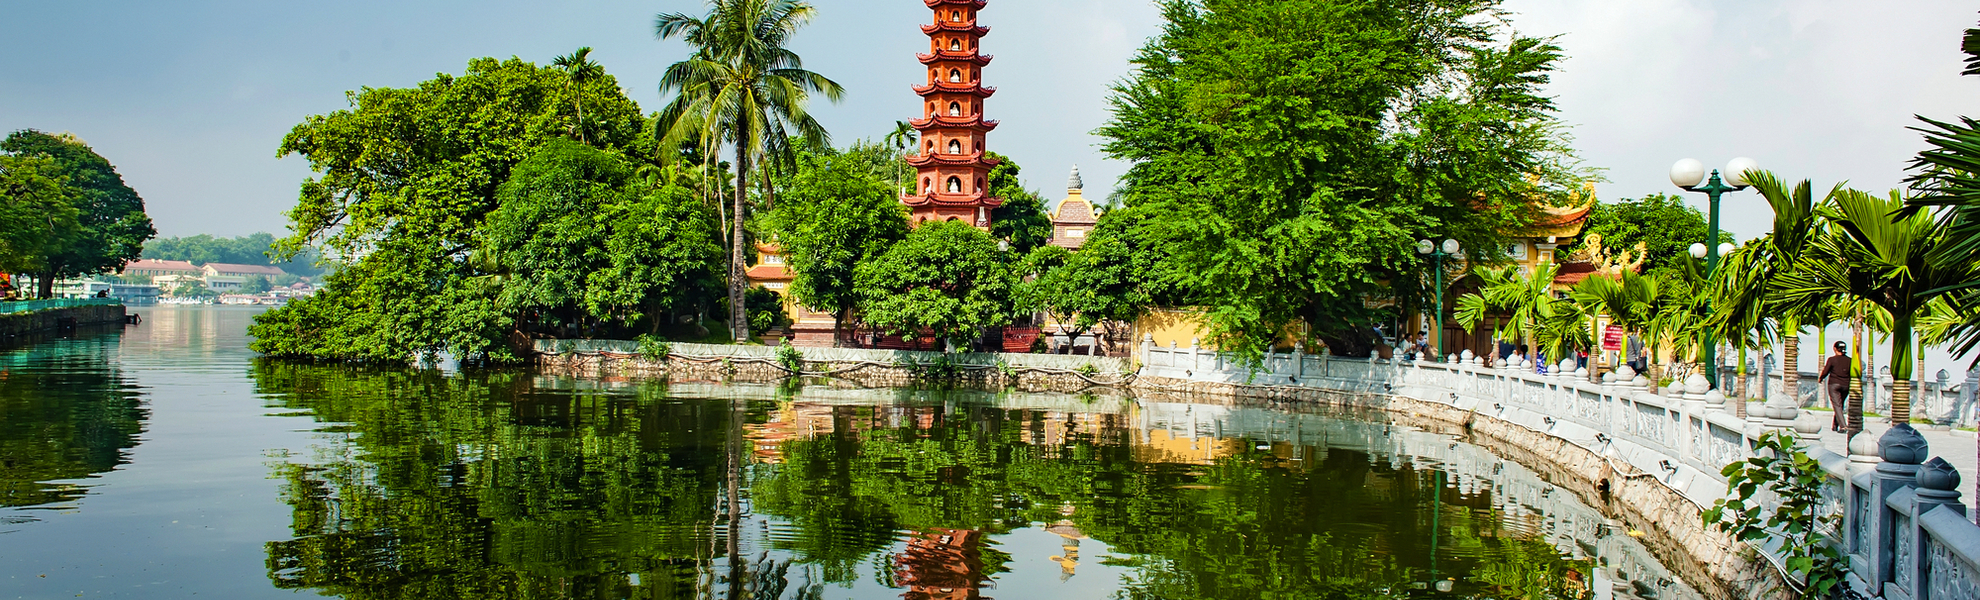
(1902, 449)
(1937, 484)
(1147, 348)
(1195, 356)
(1299, 359)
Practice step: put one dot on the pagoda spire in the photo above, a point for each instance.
(952, 168)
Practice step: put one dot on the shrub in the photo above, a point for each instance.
(1795, 480)
(790, 358)
(654, 347)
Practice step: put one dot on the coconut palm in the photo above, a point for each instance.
(1878, 255)
(578, 70)
(744, 88)
(1630, 301)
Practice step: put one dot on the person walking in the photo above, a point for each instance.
(1835, 375)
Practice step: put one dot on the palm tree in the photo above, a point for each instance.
(1875, 254)
(1528, 301)
(1747, 303)
(742, 87)
(578, 70)
(899, 140)
(1630, 302)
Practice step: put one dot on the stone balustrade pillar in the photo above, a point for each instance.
(1902, 450)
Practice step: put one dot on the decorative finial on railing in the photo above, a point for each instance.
(1938, 475)
(1902, 445)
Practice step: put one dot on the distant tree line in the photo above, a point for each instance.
(244, 250)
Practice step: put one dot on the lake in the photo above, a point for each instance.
(164, 460)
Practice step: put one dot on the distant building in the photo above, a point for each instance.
(153, 268)
(808, 327)
(1074, 217)
(242, 271)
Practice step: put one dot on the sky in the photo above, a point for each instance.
(190, 99)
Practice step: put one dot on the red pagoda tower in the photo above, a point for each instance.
(951, 169)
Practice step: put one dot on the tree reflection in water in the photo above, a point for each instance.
(498, 485)
(66, 413)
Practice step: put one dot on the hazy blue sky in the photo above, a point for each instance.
(190, 98)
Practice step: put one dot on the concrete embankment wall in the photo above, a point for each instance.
(864, 367)
(56, 318)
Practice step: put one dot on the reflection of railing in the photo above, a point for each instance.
(26, 306)
(1059, 362)
(1904, 528)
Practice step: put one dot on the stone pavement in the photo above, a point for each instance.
(1956, 446)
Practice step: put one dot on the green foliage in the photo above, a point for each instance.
(1780, 472)
(63, 424)
(1947, 175)
(744, 88)
(947, 278)
(1021, 220)
(766, 310)
(37, 211)
(790, 358)
(245, 250)
(836, 211)
(110, 226)
(1663, 224)
(463, 215)
(255, 285)
(654, 347)
(1289, 154)
(1107, 280)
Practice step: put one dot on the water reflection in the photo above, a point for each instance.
(66, 414)
(501, 485)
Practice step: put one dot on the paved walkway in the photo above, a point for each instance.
(1956, 446)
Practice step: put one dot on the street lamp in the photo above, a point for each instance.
(1437, 255)
(1687, 174)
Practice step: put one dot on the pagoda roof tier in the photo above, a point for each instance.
(974, 158)
(977, 30)
(970, 122)
(973, 89)
(968, 57)
(951, 200)
(969, 3)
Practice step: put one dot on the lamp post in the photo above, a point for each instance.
(1687, 174)
(1437, 254)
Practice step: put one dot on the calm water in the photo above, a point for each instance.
(164, 461)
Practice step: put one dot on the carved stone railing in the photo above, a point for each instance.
(1904, 530)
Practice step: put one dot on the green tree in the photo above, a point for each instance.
(1747, 300)
(742, 87)
(255, 285)
(1102, 283)
(1290, 153)
(111, 226)
(1947, 175)
(1879, 254)
(578, 70)
(1526, 298)
(766, 310)
(947, 278)
(245, 250)
(37, 212)
(1662, 224)
(1021, 220)
(835, 216)
(405, 180)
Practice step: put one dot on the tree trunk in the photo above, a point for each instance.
(733, 501)
(1791, 365)
(44, 285)
(1900, 368)
(1738, 397)
(738, 271)
(1855, 377)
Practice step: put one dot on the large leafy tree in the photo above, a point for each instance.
(744, 88)
(37, 211)
(406, 179)
(1109, 280)
(1290, 153)
(836, 213)
(947, 278)
(1021, 220)
(1662, 224)
(110, 224)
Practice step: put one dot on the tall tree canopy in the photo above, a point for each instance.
(110, 224)
(1021, 220)
(1290, 153)
(947, 278)
(1662, 223)
(406, 182)
(839, 209)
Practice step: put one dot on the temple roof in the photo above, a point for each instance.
(973, 158)
(942, 199)
(973, 89)
(969, 122)
(979, 30)
(1563, 222)
(968, 3)
(968, 56)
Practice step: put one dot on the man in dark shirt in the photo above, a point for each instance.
(1835, 374)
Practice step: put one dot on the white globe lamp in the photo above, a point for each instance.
(1698, 251)
(1737, 170)
(1450, 246)
(1687, 173)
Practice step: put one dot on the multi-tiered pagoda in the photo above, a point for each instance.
(952, 170)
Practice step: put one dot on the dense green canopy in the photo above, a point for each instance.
(1289, 154)
(94, 223)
